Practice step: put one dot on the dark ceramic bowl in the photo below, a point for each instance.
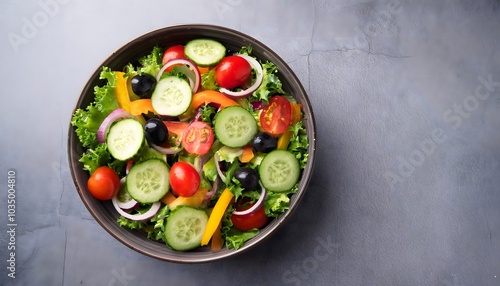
(104, 212)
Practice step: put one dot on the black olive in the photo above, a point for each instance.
(264, 142)
(156, 132)
(143, 85)
(248, 177)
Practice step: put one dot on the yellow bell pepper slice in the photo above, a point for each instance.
(284, 139)
(194, 201)
(216, 215)
(121, 91)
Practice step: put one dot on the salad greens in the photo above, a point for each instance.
(88, 120)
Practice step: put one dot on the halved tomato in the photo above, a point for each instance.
(198, 138)
(276, 117)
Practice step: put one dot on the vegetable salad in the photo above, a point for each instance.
(194, 145)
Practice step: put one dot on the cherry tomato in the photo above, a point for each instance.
(184, 179)
(232, 71)
(198, 138)
(255, 219)
(275, 117)
(172, 53)
(104, 183)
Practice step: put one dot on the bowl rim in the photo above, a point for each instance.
(273, 226)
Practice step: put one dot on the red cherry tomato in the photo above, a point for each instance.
(255, 219)
(198, 138)
(104, 183)
(184, 179)
(275, 117)
(172, 53)
(232, 71)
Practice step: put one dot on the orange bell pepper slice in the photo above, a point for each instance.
(217, 240)
(211, 96)
(284, 140)
(141, 106)
(194, 201)
(168, 198)
(203, 70)
(247, 154)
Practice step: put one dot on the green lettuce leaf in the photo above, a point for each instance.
(93, 158)
(210, 170)
(155, 227)
(276, 203)
(131, 224)
(270, 85)
(208, 80)
(299, 143)
(207, 114)
(229, 154)
(87, 121)
(235, 238)
(245, 50)
(152, 63)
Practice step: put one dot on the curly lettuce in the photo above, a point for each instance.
(87, 121)
(151, 64)
(299, 143)
(233, 237)
(270, 85)
(155, 227)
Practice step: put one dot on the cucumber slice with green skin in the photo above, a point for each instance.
(279, 171)
(235, 127)
(148, 181)
(172, 96)
(125, 138)
(185, 227)
(204, 52)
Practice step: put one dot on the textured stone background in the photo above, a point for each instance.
(406, 94)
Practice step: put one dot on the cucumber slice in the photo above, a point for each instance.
(235, 127)
(204, 52)
(279, 171)
(125, 138)
(148, 181)
(172, 96)
(185, 227)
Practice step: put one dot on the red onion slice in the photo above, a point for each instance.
(200, 161)
(110, 119)
(211, 193)
(258, 80)
(165, 150)
(188, 68)
(255, 206)
(128, 205)
(257, 105)
(155, 207)
(219, 171)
